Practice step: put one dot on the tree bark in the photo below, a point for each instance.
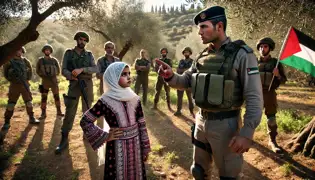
(304, 141)
(125, 49)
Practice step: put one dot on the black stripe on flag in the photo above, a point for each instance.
(305, 39)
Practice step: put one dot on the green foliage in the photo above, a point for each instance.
(170, 157)
(287, 169)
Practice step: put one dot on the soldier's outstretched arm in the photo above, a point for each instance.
(93, 68)
(247, 68)
(175, 80)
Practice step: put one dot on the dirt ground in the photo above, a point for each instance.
(27, 151)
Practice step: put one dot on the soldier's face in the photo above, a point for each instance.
(81, 42)
(186, 54)
(264, 49)
(19, 53)
(109, 49)
(143, 54)
(47, 52)
(208, 33)
(163, 53)
(125, 80)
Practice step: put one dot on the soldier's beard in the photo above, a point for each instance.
(47, 54)
(163, 56)
(186, 57)
(264, 54)
(81, 46)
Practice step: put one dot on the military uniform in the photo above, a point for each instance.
(71, 61)
(48, 69)
(221, 80)
(102, 64)
(183, 65)
(160, 83)
(142, 78)
(266, 68)
(13, 70)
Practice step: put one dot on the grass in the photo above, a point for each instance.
(286, 169)
(288, 121)
(170, 157)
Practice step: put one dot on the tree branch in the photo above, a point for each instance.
(100, 32)
(34, 4)
(55, 7)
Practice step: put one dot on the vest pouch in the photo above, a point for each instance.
(201, 90)
(215, 90)
(194, 84)
(266, 78)
(228, 93)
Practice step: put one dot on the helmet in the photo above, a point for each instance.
(187, 49)
(48, 46)
(268, 41)
(82, 34)
(23, 49)
(163, 49)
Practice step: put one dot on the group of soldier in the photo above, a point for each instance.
(223, 75)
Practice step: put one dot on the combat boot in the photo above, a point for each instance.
(272, 139)
(177, 113)
(43, 115)
(33, 120)
(6, 124)
(63, 143)
(59, 113)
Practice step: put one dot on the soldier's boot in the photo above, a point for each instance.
(43, 115)
(33, 120)
(272, 139)
(63, 143)
(177, 113)
(7, 117)
(59, 113)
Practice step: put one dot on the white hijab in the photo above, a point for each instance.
(112, 88)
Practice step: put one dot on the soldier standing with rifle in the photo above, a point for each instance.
(104, 61)
(78, 66)
(142, 66)
(18, 71)
(267, 68)
(48, 69)
(160, 81)
(183, 65)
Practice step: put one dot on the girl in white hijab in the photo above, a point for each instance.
(124, 131)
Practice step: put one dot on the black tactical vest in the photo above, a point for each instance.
(77, 61)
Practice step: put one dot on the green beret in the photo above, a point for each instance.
(48, 46)
(82, 34)
(187, 49)
(214, 12)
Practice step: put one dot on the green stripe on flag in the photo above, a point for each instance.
(300, 64)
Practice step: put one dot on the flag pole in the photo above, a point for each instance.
(281, 50)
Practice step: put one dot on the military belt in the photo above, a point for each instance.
(212, 116)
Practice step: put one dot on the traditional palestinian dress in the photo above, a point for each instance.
(124, 158)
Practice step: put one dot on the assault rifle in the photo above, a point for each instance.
(82, 85)
(18, 75)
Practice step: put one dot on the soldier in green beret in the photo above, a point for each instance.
(142, 66)
(18, 71)
(78, 64)
(104, 61)
(267, 68)
(222, 77)
(160, 81)
(48, 69)
(183, 65)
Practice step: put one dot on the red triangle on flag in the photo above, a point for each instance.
(291, 46)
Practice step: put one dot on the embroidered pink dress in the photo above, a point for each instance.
(124, 157)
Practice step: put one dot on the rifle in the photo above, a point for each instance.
(82, 85)
(19, 77)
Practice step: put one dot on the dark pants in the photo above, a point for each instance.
(158, 87)
(54, 89)
(142, 80)
(270, 105)
(180, 95)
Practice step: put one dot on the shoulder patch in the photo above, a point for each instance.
(247, 48)
(252, 70)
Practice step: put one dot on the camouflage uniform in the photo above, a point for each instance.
(102, 64)
(183, 65)
(160, 83)
(18, 67)
(71, 61)
(48, 69)
(142, 78)
(266, 68)
(221, 80)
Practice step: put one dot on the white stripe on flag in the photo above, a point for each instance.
(253, 72)
(307, 54)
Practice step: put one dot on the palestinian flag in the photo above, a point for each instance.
(298, 51)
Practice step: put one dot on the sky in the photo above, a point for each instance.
(149, 3)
